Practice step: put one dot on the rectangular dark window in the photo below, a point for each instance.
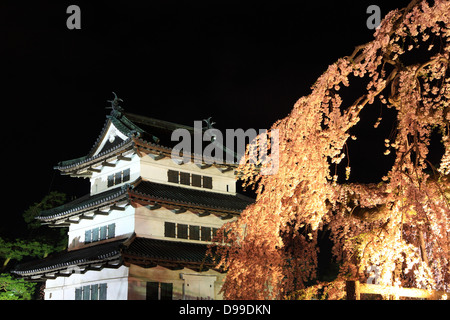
(94, 292)
(172, 176)
(110, 180)
(95, 234)
(169, 229)
(87, 236)
(118, 177)
(78, 294)
(194, 232)
(166, 291)
(207, 182)
(152, 292)
(185, 178)
(196, 180)
(86, 292)
(206, 234)
(102, 291)
(126, 175)
(103, 232)
(191, 232)
(182, 231)
(159, 291)
(111, 230)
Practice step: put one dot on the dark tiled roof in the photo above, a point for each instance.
(156, 134)
(63, 260)
(187, 196)
(145, 127)
(164, 252)
(143, 251)
(155, 131)
(124, 125)
(120, 146)
(84, 203)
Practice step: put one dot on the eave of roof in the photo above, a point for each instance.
(144, 192)
(86, 204)
(201, 201)
(147, 253)
(89, 161)
(134, 250)
(68, 262)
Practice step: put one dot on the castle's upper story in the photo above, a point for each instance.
(131, 165)
(128, 148)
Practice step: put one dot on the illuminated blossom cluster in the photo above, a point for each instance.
(402, 224)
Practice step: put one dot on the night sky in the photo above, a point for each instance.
(242, 63)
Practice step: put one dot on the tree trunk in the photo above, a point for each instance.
(422, 247)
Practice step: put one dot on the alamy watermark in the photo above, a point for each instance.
(227, 149)
(374, 19)
(74, 20)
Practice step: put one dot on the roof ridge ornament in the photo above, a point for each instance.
(209, 123)
(115, 103)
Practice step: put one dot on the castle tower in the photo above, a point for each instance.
(143, 229)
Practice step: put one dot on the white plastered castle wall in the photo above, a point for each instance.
(63, 288)
(99, 180)
(156, 171)
(124, 221)
(150, 223)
